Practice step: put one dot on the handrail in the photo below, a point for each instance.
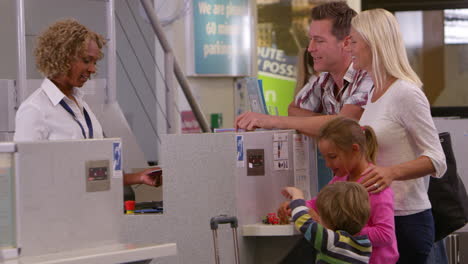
(183, 82)
(111, 60)
(21, 32)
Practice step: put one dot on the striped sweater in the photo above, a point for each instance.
(331, 246)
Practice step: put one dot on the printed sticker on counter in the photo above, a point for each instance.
(240, 151)
(280, 151)
(117, 159)
(281, 164)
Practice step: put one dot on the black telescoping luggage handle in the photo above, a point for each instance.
(223, 219)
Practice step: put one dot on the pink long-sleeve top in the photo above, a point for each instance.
(381, 225)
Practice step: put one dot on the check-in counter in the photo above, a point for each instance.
(239, 174)
(58, 216)
(62, 202)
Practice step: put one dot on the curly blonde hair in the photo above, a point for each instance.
(61, 43)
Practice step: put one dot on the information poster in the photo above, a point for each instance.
(278, 73)
(220, 35)
(282, 32)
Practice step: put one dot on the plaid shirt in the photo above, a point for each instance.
(320, 97)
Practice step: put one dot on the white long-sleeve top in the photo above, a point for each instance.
(405, 130)
(41, 117)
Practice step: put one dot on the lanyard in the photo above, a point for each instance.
(88, 120)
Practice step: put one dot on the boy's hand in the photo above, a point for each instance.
(292, 193)
(284, 212)
(314, 215)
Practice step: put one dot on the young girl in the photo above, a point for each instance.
(349, 150)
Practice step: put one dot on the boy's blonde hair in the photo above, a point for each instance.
(381, 31)
(345, 132)
(344, 206)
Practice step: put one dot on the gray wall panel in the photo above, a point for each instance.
(56, 213)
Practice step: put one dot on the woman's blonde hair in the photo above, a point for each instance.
(344, 206)
(345, 132)
(61, 43)
(380, 29)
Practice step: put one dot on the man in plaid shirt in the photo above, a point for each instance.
(339, 90)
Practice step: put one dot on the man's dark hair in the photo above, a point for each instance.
(339, 13)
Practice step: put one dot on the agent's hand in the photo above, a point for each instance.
(252, 121)
(292, 193)
(150, 177)
(376, 179)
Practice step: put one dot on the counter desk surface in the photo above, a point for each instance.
(118, 253)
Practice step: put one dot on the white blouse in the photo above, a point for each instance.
(41, 117)
(405, 130)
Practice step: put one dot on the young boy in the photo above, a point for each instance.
(343, 210)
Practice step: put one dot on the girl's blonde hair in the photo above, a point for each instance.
(59, 45)
(380, 29)
(345, 132)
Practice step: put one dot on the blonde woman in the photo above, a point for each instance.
(409, 148)
(66, 54)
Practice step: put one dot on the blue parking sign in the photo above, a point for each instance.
(240, 150)
(117, 154)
